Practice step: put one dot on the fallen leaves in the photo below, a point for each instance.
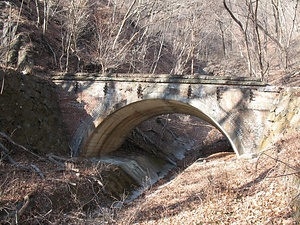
(226, 190)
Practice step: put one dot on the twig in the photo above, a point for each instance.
(2, 86)
(127, 15)
(7, 156)
(297, 196)
(63, 181)
(262, 152)
(20, 212)
(62, 162)
(54, 55)
(278, 160)
(268, 148)
(61, 158)
(284, 175)
(96, 180)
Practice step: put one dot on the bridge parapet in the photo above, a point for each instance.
(159, 78)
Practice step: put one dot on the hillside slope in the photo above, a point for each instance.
(224, 190)
(149, 37)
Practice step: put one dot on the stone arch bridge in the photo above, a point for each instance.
(101, 110)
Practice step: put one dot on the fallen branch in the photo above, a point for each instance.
(63, 159)
(37, 170)
(288, 174)
(51, 159)
(6, 155)
(7, 138)
(58, 160)
(64, 163)
(285, 163)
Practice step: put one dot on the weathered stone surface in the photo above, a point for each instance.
(117, 103)
(284, 118)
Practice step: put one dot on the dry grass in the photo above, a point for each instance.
(221, 189)
(65, 193)
(227, 190)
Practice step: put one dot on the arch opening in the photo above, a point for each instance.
(114, 129)
(141, 140)
(176, 139)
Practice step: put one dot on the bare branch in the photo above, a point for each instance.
(127, 15)
(232, 16)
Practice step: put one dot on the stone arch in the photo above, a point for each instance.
(112, 131)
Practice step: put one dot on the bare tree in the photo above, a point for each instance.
(45, 9)
(244, 30)
(75, 19)
(123, 35)
(50, 9)
(37, 7)
(285, 18)
(9, 41)
(263, 33)
(141, 35)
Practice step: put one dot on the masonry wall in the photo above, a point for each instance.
(30, 113)
(284, 117)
